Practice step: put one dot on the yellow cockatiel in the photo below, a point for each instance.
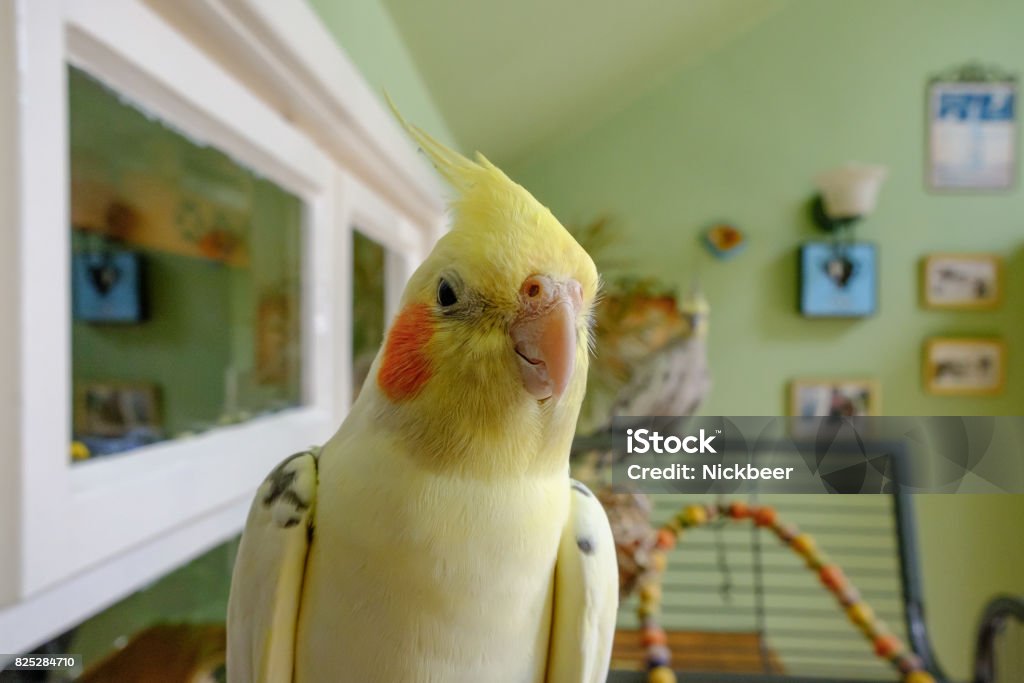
(437, 537)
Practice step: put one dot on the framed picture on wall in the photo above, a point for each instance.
(834, 398)
(972, 130)
(838, 280)
(114, 409)
(964, 366)
(961, 281)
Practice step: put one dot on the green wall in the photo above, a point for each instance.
(368, 35)
(739, 137)
(197, 308)
(152, 351)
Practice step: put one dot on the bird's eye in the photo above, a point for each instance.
(445, 294)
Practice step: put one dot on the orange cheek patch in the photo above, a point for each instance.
(405, 367)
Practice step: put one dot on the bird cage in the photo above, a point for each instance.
(737, 605)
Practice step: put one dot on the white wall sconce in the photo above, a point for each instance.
(847, 193)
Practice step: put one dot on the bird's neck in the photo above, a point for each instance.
(476, 437)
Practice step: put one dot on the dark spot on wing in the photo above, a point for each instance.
(585, 544)
(291, 497)
(281, 481)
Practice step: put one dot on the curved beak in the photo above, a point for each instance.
(544, 334)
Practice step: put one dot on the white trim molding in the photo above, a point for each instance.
(31, 621)
(282, 50)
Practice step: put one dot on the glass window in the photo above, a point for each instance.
(368, 278)
(186, 281)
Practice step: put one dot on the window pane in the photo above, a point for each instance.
(368, 263)
(186, 309)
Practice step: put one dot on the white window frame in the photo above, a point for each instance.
(154, 507)
(404, 248)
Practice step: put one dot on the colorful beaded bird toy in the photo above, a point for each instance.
(887, 646)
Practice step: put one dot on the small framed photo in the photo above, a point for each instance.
(959, 366)
(838, 280)
(961, 281)
(116, 409)
(834, 398)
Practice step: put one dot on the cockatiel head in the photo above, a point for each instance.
(485, 364)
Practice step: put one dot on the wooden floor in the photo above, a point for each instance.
(165, 653)
(700, 651)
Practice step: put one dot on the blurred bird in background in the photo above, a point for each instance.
(675, 379)
(651, 359)
(651, 355)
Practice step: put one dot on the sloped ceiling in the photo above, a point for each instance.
(511, 76)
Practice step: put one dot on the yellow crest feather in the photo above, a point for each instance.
(500, 229)
(456, 169)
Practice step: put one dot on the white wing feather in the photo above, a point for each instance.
(266, 585)
(586, 595)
